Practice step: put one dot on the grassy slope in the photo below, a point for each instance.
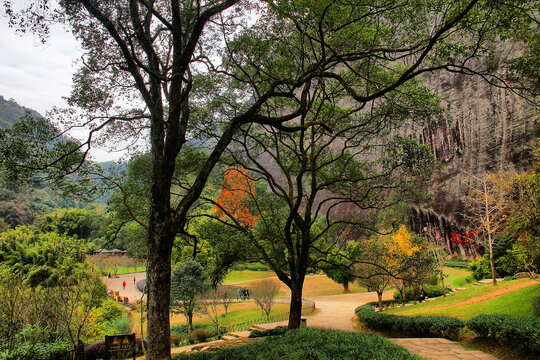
(465, 303)
(458, 278)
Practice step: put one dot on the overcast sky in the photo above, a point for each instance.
(38, 75)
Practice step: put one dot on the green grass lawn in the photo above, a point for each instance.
(518, 302)
(130, 269)
(458, 278)
(238, 313)
(239, 316)
(237, 276)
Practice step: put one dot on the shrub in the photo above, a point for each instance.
(310, 343)
(422, 326)
(37, 351)
(111, 310)
(178, 339)
(123, 325)
(182, 329)
(198, 336)
(536, 305)
(521, 332)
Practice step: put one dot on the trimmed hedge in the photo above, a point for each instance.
(521, 332)
(422, 326)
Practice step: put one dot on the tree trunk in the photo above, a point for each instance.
(190, 321)
(442, 282)
(492, 262)
(295, 311)
(158, 286)
(488, 227)
(346, 287)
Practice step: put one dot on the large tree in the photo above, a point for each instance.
(325, 180)
(169, 71)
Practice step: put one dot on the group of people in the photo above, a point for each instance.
(243, 294)
(423, 296)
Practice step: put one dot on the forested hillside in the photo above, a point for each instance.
(10, 112)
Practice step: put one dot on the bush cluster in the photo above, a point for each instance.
(522, 332)
(211, 329)
(412, 294)
(280, 330)
(37, 351)
(422, 326)
(310, 343)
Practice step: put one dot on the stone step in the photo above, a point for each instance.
(259, 327)
(240, 334)
(228, 337)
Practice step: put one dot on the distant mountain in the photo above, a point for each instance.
(10, 112)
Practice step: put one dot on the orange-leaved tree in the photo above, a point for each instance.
(234, 196)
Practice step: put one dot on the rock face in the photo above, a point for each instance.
(484, 129)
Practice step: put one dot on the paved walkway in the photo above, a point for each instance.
(440, 349)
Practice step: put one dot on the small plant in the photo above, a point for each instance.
(177, 339)
(198, 336)
(123, 325)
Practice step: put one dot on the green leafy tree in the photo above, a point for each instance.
(187, 287)
(197, 70)
(80, 223)
(374, 275)
(320, 181)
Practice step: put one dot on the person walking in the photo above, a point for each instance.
(134, 280)
(124, 285)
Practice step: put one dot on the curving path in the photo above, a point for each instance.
(337, 311)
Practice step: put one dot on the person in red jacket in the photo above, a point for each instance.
(124, 285)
